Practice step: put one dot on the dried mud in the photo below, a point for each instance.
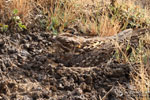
(29, 71)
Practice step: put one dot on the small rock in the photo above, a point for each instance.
(26, 98)
(24, 53)
(4, 97)
(1, 43)
(77, 91)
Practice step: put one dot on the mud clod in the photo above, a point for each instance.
(34, 66)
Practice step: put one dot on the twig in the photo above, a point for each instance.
(107, 93)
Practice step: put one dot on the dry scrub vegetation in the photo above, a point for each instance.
(88, 17)
(93, 17)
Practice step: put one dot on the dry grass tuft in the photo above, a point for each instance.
(1, 4)
(92, 17)
(2, 11)
(109, 27)
(142, 82)
(140, 58)
(24, 8)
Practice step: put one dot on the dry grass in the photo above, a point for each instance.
(140, 59)
(92, 15)
(2, 11)
(24, 8)
(142, 79)
(109, 27)
(1, 4)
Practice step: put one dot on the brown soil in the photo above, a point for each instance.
(30, 71)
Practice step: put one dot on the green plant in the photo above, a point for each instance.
(3, 27)
(17, 21)
(54, 25)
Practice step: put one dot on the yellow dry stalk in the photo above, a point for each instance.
(24, 8)
(109, 27)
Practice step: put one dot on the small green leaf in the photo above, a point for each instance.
(15, 11)
(22, 26)
(4, 28)
(55, 21)
(128, 47)
(145, 59)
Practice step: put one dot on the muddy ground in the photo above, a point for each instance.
(30, 71)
